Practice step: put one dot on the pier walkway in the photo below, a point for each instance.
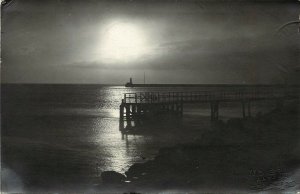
(136, 106)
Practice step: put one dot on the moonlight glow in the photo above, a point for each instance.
(122, 42)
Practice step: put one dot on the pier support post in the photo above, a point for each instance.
(246, 106)
(178, 109)
(214, 111)
(244, 109)
(249, 109)
(121, 119)
(122, 111)
(181, 108)
(138, 111)
(128, 115)
(133, 111)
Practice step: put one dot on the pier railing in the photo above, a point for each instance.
(205, 96)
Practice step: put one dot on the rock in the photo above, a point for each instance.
(112, 177)
(136, 170)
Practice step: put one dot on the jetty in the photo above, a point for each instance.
(136, 107)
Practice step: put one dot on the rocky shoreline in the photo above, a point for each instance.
(240, 154)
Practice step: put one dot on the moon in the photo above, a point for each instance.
(123, 42)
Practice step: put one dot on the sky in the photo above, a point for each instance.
(106, 42)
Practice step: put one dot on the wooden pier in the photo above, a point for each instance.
(136, 107)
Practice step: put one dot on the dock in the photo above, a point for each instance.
(136, 107)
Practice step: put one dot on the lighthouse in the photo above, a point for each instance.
(129, 84)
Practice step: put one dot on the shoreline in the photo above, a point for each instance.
(248, 154)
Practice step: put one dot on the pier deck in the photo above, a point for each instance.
(137, 106)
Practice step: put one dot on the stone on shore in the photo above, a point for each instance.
(112, 177)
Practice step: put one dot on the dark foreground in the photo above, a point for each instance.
(238, 155)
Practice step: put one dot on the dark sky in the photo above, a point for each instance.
(64, 41)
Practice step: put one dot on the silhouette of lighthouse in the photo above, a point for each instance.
(129, 84)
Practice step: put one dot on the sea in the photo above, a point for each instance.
(60, 136)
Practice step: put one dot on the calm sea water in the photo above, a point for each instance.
(60, 135)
